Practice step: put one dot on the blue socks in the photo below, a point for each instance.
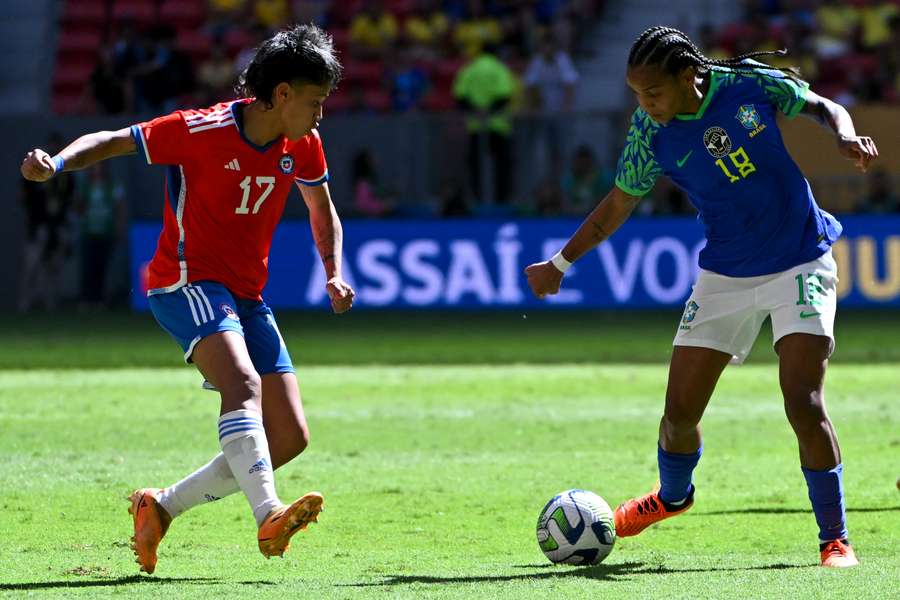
(826, 492)
(675, 474)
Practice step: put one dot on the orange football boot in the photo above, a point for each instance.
(276, 530)
(151, 522)
(637, 514)
(838, 554)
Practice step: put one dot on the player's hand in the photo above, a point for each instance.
(543, 278)
(341, 294)
(860, 149)
(37, 166)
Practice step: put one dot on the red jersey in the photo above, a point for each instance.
(224, 196)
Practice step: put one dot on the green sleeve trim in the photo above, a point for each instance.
(800, 103)
(630, 190)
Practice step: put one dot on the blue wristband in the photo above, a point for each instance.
(60, 164)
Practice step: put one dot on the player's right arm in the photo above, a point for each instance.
(83, 152)
(544, 278)
(636, 175)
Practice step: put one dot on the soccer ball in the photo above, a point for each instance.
(576, 528)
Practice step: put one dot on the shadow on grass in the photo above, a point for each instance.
(131, 579)
(602, 572)
(792, 511)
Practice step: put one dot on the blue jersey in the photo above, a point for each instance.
(757, 207)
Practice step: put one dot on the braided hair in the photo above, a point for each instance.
(673, 51)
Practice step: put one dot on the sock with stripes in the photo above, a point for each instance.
(246, 449)
(213, 481)
(826, 493)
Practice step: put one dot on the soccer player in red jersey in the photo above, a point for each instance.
(229, 169)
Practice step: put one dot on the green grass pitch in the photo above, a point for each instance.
(436, 440)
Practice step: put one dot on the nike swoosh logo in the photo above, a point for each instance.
(681, 162)
(806, 315)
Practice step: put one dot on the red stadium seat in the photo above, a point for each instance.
(193, 42)
(368, 73)
(439, 100)
(183, 13)
(84, 13)
(378, 100)
(237, 40)
(400, 8)
(142, 12)
(81, 42)
(72, 77)
(70, 103)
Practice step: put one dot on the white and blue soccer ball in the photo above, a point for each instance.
(576, 528)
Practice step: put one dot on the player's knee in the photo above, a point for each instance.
(805, 410)
(245, 386)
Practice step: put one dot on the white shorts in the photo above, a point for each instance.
(726, 313)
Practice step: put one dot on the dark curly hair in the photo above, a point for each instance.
(673, 50)
(303, 53)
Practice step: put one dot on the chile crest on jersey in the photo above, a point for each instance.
(286, 164)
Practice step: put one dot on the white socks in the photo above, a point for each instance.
(213, 481)
(246, 449)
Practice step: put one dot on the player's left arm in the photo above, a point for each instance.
(834, 116)
(329, 237)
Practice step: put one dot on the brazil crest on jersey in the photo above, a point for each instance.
(757, 207)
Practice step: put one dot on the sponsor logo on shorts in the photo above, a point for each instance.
(229, 312)
(211, 498)
(806, 315)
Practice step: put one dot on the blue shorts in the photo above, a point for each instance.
(203, 308)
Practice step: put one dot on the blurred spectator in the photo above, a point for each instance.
(216, 75)
(225, 15)
(874, 20)
(373, 30)
(165, 76)
(453, 200)
(584, 184)
(483, 89)
(548, 198)
(426, 29)
(880, 197)
(476, 31)
(242, 60)
(47, 209)
(101, 206)
(709, 42)
(519, 31)
(667, 199)
(837, 22)
(550, 84)
(369, 199)
(311, 11)
(408, 82)
(107, 87)
(271, 14)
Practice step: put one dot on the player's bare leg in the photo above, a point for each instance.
(803, 359)
(288, 436)
(283, 417)
(693, 374)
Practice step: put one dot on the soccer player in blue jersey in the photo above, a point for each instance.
(710, 126)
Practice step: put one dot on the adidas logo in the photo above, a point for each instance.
(261, 465)
(233, 165)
